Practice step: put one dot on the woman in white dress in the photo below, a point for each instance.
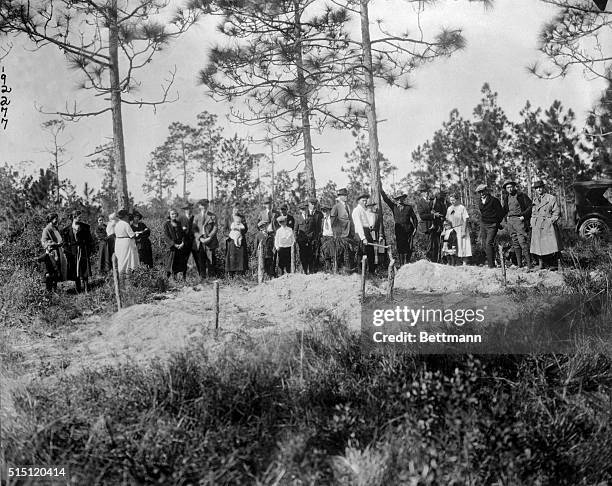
(458, 217)
(125, 244)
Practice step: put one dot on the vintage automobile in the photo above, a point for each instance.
(594, 208)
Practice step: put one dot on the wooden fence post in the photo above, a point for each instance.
(390, 279)
(293, 258)
(503, 263)
(364, 262)
(116, 281)
(216, 298)
(260, 263)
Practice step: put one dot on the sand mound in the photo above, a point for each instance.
(144, 331)
(434, 277)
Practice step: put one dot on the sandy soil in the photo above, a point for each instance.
(293, 302)
(426, 276)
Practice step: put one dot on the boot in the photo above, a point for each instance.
(519, 257)
(528, 260)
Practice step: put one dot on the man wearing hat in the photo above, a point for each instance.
(363, 231)
(308, 227)
(517, 207)
(191, 247)
(205, 233)
(78, 246)
(545, 238)
(327, 237)
(491, 215)
(269, 215)
(405, 224)
(284, 211)
(343, 228)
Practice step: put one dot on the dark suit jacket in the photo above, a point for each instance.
(206, 226)
(403, 215)
(424, 210)
(269, 217)
(310, 227)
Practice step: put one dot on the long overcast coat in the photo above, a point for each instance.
(545, 238)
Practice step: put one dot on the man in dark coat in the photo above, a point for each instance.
(405, 225)
(269, 215)
(308, 228)
(78, 247)
(429, 209)
(491, 215)
(438, 211)
(205, 233)
(191, 247)
(517, 208)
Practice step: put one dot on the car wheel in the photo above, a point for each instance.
(593, 228)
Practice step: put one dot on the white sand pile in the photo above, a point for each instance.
(144, 331)
(434, 277)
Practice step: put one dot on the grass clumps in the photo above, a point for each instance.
(314, 409)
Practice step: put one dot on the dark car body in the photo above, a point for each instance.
(594, 208)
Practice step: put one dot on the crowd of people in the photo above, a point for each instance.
(325, 236)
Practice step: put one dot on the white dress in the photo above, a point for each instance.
(125, 247)
(458, 216)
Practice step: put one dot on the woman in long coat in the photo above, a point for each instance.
(143, 243)
(78, 246)
(174, 239)
(236, 258)
(106, 244)
(545, 239)
(458, 217)
(125, 244)
(55, 259)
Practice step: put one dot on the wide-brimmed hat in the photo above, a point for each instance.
(122, 213)
(325, 207)
(187, 206)
(262, 223)
(537, 184)
(509, 183)
(203, 202)
(51, 217)
(400, 196)
(303, 205)
(365, 195)
(342, 192)
(369, 204)
(481, 187)
(136, 214)
(281, 218)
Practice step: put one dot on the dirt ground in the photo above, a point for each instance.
(288, 304)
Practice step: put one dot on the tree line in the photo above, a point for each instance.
(294, 67)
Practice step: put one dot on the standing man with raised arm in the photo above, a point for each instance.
(405, 225)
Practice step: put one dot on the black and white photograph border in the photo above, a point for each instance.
(305, 242)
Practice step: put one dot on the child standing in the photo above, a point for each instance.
(283, 241)
(449, 246)
(265, 238)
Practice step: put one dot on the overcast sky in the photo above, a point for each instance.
(501, 43)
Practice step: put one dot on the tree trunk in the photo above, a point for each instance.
(304, 108)
(118, 145)
(370, 107)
